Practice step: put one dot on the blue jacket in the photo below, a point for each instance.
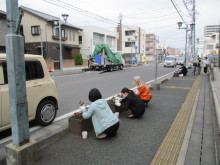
(102, 116)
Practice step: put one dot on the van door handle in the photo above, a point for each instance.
(37, 85)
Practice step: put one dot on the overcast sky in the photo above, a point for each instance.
(154, 16)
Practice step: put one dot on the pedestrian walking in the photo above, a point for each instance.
(104, 121)
(199, 65)
(142, 90)
(206, 65)
(131, 102)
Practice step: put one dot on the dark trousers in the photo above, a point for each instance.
(205, 70)
(111, 131)
(145, 102)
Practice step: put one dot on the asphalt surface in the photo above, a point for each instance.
(75, 87)
(137, 140)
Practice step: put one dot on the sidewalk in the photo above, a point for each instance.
(158, 138)
(138, 141)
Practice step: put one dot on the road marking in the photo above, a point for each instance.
(176, 87)
(185, 79)
(169, 149)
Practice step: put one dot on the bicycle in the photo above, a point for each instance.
(194, 68)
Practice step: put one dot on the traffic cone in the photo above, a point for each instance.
(50, 70)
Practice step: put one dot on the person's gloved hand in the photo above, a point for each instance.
(117, 104)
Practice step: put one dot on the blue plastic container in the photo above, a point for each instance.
(98, 59)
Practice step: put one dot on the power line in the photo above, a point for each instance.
(150, 17)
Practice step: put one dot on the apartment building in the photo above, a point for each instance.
(3, 31)
(210, 44)
(91, 35)
(131, 42)
(210, 29)
(150, 46)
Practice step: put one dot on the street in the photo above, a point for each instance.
(73, 88)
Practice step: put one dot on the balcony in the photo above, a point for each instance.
(57, 38)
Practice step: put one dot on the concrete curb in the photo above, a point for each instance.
(45, 136)
(216, 102)
(183, 150)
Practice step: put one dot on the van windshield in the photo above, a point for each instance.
(169, 58)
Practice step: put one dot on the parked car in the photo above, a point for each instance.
(170, 61)
(179, 60)
(42, 96)
(133, 60)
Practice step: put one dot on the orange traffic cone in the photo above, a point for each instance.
(50, 70)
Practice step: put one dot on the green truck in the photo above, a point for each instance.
(104, 59)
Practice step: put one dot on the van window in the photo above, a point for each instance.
(33, 71)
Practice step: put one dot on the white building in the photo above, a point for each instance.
(210, 44)
(210, 29)
(91, 35)
(131, 42)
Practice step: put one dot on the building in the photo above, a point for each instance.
(3, 31)
(210, 29)
(41, 33)
(131, 42)
(210, 44)
(91, 35)
(150, 46)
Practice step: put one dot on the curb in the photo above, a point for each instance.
(216, 102)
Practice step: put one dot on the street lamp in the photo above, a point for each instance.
(186, 28)
(65, 16)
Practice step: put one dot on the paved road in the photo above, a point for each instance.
(73, 88)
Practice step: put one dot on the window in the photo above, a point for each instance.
(33, 70)
(80, 39)
(129, 32)
(35, 30)
(73, 36)
(98, 38)
(56, 32)
(129, 44)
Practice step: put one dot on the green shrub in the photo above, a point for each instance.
(78, 59)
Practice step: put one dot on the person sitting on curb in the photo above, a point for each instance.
(132, 102)
(104, 121)
(183, 70)
(142, 90)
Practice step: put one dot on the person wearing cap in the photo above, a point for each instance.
(142, 90)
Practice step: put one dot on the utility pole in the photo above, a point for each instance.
(194, 29)
(16, 76)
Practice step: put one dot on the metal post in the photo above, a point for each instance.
(41, 42)
(186, 45)
(156, 56)
(61, 56)
(16, 76)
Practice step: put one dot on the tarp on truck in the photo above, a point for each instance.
(111, 56)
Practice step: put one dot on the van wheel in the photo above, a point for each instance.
(121, 67)
(110, 69)
(46, 112)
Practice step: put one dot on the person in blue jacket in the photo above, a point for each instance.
(104, 121)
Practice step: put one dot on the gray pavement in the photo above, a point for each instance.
(138, 140)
